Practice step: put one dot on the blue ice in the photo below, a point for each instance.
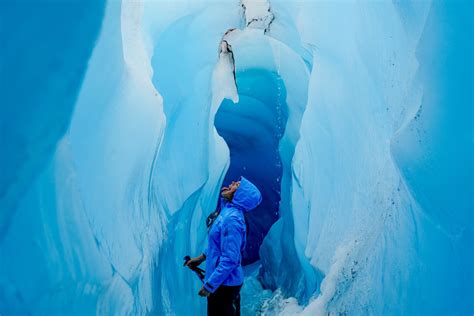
(120, 121)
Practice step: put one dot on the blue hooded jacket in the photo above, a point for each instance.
(227, 236)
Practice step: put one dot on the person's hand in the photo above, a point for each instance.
(194, 262)
(203, 292)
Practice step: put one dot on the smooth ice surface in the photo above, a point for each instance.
(78, 241)
(111, 157)
(42, 67)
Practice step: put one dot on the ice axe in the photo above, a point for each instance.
(199, 272)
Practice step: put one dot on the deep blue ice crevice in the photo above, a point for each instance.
(252, 130)
(282, 265)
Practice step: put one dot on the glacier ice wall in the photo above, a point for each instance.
(39, 87)
(112, 162)
(82, 231)
(42, 67)
(382, 146)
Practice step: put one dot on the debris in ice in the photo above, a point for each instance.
(257, 14)
(279, 305)
(224, 83)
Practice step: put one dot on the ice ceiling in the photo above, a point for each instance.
(120, 120)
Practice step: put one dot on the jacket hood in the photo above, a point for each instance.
(247, 195)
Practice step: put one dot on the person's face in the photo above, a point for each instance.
(228, 192)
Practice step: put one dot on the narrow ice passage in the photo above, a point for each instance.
(252, 129)
(117, 130)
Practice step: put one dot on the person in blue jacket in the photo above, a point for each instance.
(226, 242)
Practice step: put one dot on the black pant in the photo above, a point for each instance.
(225, 301)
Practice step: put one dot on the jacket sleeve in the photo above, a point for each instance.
(231, 242)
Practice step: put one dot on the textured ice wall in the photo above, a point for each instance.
(45, 50)
(114, 136)
(434, 152)
(39, 86)
(99, 211)
(382, 146)
(83, 235)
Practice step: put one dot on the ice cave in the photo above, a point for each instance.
(120, 121)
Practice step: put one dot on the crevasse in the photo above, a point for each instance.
(114, 155)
